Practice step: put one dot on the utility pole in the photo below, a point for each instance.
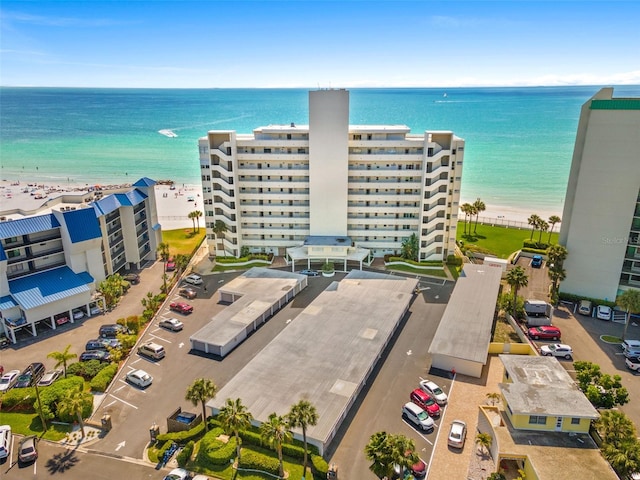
(42, 419)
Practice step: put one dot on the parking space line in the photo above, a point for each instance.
(418, 432)
(160, 338)
(126, 403)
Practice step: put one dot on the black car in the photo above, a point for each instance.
(111, 330)
(100, 355)
(102, 344)
(30, 375)
(132, 278)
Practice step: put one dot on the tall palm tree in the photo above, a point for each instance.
(379, 451)
(516, 278)
(630, 301)
(484, 441)
(479, 207)
(163, 250)
(219, 228)
(275, 432)
(62, 358)
(404, 452)
(234, 417)
(303, 414)
(556, 255)
(615, 427)
(624, 458)
(201, 391)
(466, 208)
(182, 261)
(543, 226)
(192, 216)
(553, 219)
(197, 215)
(73, 403)
(533, 220)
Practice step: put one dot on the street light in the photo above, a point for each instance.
(42, 419)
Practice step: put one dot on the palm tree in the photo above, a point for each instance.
(543, 226)
(234, 417)
(303, 414)
(615, 427)
(533, 220)
(219, 228)
(163, 250)
(466, 209)
(379, 452)
(516, 278)
(479, 207)
(404, 452)
(201, 391)
(556, 255)
(493, 397)
(624, 458)
(62, 358)
(192, 217)
(553, 219)
(630, 301)
(484, 441)
(182, 261)
(197, 214)
(73, 403)
(275, 432)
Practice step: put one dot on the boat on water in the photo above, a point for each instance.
(168, 133)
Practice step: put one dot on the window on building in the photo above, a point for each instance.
(357, 137)
(537, 420)
(267, 150)
(575, 421)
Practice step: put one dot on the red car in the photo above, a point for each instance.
(180, 307)
(171, 265)
(545, 332)
(425, 401)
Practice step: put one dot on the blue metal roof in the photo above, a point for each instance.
(7, 302)
(41, 288)
(145, 182)
(25, 226)
(82, 224)
(114, 201)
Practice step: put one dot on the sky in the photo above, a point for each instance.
(308, 44)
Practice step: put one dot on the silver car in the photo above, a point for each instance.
(457, 434)
(139, 378)
(9, 379)
(193, 279)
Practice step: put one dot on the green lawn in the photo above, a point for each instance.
(498, 241)
(29, 424)
(183, 240)
(420, 271)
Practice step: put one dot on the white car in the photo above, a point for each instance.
(435, 391)
(95, 310)
(177, 474)
(9, 379)
(139, 378)
(172, 324)
(633, 363)
(603, 312)
(557, 350)
(457, 434)
(193, 279)
(49, 377)
(78, 314)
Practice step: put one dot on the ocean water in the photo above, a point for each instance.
(519, 141)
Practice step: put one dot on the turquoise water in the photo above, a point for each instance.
(519, 141)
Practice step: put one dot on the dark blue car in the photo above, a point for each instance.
(536, 261)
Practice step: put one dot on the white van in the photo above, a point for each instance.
(418, 417)
(631, 348)
(5, 440)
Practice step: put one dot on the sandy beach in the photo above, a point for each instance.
(175, 203)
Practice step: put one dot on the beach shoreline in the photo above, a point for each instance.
(175, 202)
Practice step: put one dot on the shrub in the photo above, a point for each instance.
(294, 451)
(185, 454)
(535, 245)
(19, 400)
(534, 250)
(319, 467)
(165, 446)
(453, 260)
(101, 381)
(260, 459)
(251, 437)
(183, 437)
(86, 370)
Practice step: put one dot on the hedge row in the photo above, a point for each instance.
(165, 446)
(319, 467)
(213, 452)
(256, 256)
(23, 399)
(535, 245)
(86, 370)
(260, 459)
(570, 297)
(181, 438)
(101, 381)
(433, 263)
(453, 260)
(185, 454)
(534, 250)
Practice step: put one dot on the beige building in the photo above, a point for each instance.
(601, 220)
(366, 187)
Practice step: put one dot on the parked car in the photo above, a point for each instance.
(536, 261)
(27, 449)
(418, 469)
(435, 391)
(180, 307)
(78, 314)
(151, 350)
(112, 330)
(603, 312)
(633, 363)
(132, 278)
(631, 348)
(171, 265)
(50, 377)
(310, 273)
(100, 355)
(415, 415)
(5, 441)
(545, 332)
(425, 401)
(139, 378)
(187, 292)
(457, 434)
(8, 380)
(61, 319)
(102, 344)
(177, 474)
(95, 310)
(193, 279)
(557, 350)
(172, 324)
(584, 308)
(30, 375)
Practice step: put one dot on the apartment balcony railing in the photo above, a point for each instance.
(114, 229)
(41, 268)
(25, 257)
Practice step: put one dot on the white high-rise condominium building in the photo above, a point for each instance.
(330, 190)
(601, 220)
